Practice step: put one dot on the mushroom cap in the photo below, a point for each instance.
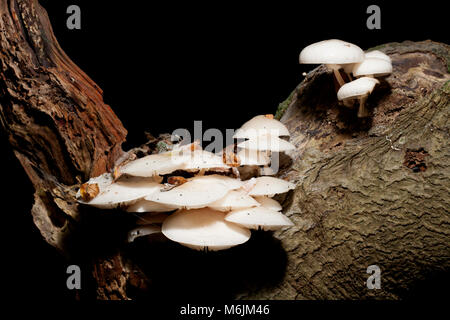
(266, 143)
(261, 125)
(123, 192)
(143, 205)
(234, 199)
(268, 203)
(378, 54)
(348, 67)
(253, 157)
(204, 228)
(197, 192)
(357, 88)
(372, 66)
(201, 159)
(331, 52)
(269, 186)
(259, 217)
(155, 164)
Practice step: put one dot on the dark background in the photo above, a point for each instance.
(164, 65)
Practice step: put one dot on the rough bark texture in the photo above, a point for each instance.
(52, 112)
(371, 191)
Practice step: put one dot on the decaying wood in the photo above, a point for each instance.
(52, 112)
(369, 191)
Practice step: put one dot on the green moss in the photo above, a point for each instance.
(283, 106)
(379, 47)
(162, 147)
(446, 87)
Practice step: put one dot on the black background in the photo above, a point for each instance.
(163, 65)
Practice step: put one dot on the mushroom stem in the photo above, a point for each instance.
(349, 103)
(349, 76)
(338, 76)
(362, 111)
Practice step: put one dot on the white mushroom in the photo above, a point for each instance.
(261, 125)
(204, 229)
(268, 203)
(155, 164)
(358, 89)
(378, 54)
(150, 206)
(123, 192)
(372, 67)
(333, 53)
(253, 157)
(266, 143)
(268, 186)
(234, 199)
(259, 218)
(197, 192)
(201, 159)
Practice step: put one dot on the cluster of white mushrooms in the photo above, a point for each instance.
(338, 54)
(196, 197)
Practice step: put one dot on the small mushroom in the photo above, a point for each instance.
(266, 143)
(198, 192)
(201, 159)
(378, 54)
(372, 67)
(234, 199)
(358, 89)
(123, 192)
(261, 125)
(333, 53)
(154, 164)
(268, 203)
(269, 186)
(253, 157)
(259, 218)
(202, 229)
(150, 206)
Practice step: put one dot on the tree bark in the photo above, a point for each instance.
(369, 191)
(52, 112)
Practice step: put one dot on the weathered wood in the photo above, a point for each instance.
(52, 112)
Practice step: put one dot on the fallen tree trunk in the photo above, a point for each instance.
(369, 191)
